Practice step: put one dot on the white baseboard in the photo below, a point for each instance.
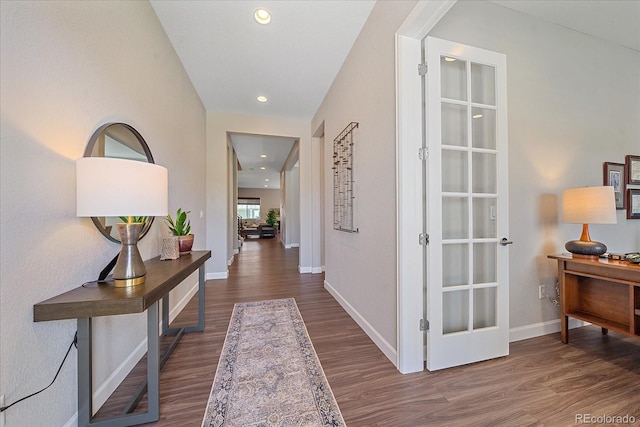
(291, 245)
(302, 269)
(538, 329)
(230, 260)
(316, 270)
(386, 348)
(218, 275)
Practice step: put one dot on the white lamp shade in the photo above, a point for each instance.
(589, 205)
(119, 187)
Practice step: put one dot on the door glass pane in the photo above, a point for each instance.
(485, 303)
(454, 125)
(453, 76)
(455, 264)
(484, 217)
(455, 218)
(455, 311)
(454, 171)
(483, 128)
(483, 84)
(485, 265)
(484, 173)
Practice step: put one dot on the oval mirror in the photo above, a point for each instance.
(122, 141)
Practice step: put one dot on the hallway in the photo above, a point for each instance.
(542, 382)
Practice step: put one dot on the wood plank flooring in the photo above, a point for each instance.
(541, 383)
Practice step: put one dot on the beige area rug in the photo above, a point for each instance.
(268, 373)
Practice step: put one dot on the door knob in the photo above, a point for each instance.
(505, 242)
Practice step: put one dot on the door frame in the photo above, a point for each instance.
(409, 139)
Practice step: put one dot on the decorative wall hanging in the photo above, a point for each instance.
(615, 176)
(343, 196)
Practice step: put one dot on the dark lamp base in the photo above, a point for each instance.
(590, 249)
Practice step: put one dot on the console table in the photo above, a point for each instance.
(599, 291)
(94, 300)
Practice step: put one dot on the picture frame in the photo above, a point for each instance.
(633, 169)
(614, 175)
(633, 203)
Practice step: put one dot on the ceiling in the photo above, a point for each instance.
(250, 149)
(231, 59)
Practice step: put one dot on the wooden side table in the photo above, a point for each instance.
(94, 300)
(599, 291)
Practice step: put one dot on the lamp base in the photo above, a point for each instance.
(125, 283)
(585, 249)
(129, 269)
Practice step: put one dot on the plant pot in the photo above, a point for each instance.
(185, 243)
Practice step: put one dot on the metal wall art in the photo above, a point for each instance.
(343, 197)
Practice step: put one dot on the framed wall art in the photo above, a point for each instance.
(633, 203)
(614, 175)
(633, 169)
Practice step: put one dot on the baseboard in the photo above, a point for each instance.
(386, 348)
(218, 275)
(230, 260)
(105, 390)
(316, 270)
(291, 245)
(302, 269)
(539, 329)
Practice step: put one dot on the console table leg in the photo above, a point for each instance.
(153, 363)
(85, 386)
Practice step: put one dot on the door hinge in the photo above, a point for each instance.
(422, 69)
(424, 325)
(423, 153)
(423, 239)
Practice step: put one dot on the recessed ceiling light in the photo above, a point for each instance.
(262, 98)
(262, 168)
(477, 116)
(266, 180)
(262, 16)
(449, 59)
(266, 185)
(263, 155)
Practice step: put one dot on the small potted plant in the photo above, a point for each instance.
(181, 227)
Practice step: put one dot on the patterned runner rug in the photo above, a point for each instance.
(268, 373)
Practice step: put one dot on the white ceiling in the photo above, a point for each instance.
(249, 149)
(231, 59)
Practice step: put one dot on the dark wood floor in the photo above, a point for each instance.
(541, 383)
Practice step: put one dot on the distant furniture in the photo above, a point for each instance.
(266, 231)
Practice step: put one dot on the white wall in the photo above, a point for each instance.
(65, 69)
(360, 268)
(573, 103)
(219, 124)
(292, 208)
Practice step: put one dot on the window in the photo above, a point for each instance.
(249, 208)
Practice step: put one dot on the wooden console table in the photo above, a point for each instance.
(600, 291)
(94, 300)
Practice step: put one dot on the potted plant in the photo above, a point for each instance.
(272, 218)
(181, 227)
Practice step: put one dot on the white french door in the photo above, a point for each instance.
(466, 212)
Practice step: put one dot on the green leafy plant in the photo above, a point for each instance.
(182, 225)
(272, 218)
(132, 219)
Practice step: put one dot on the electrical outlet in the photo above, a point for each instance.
(541, 291)
(2, 413)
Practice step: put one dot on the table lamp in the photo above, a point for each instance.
(114, 187)
(588, 205)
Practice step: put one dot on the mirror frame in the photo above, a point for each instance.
(88, 153)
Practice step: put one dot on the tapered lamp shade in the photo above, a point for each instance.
(588, 205)
(122, 188)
